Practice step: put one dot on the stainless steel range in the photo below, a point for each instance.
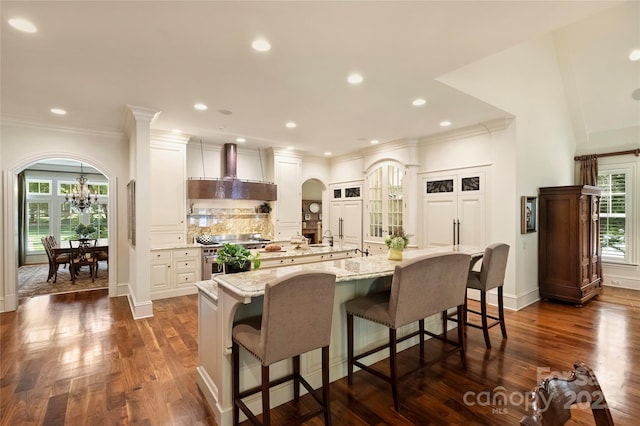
(209, 265)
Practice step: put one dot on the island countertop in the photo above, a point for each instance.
(252, 283)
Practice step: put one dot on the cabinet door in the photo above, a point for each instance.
(161, 273)
(471, 216)
(168, 187)
(287, 177)
(440, 212)
(346, 222)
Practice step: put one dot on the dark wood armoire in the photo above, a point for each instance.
(569, 263)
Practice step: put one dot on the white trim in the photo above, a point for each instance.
(139, 310)
(10, 182)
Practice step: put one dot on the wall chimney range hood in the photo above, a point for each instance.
(230, 187)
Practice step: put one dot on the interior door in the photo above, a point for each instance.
(471, 217)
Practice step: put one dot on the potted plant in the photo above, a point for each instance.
(236, 258)
(396, 243)
(83, 231)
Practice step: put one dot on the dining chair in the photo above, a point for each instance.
(420, 287)
(82, 255)
(54, 260)
(296, 318)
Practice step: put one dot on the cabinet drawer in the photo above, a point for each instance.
(160, 255)
(189, 252)
(185, 279)
(185, 265)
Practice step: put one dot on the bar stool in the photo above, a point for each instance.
(420, 287)
(491, 275)
(296, 318)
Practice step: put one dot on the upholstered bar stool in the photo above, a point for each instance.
(491, 275)
(420, 287)
(296, 318)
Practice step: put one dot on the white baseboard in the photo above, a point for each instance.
(139, 310)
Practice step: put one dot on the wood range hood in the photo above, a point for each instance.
(230, 187)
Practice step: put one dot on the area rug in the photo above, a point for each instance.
(32, 280)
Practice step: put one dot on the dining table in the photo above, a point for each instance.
(68, 246)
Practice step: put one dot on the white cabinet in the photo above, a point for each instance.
(384, 196)
(454, 209)
(174, 272)
(287, 175)
(346, 222)
(168, 191)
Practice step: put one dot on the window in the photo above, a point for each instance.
(37, 225)
(615, 214)
(38, 187)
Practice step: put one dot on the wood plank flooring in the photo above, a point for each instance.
(81, 359)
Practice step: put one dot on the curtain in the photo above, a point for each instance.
(589, 170)
(22, 224)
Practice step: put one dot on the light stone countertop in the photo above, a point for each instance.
(289, 250)
(252, 283)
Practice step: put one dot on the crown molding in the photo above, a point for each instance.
(168, 136)
(21, 122)
(483, 128)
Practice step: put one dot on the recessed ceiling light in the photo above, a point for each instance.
(634, 55)
(355, 78)
(201, 107)
(261, 45)
(58, 111)
(419, 102)
(445, 123)
(241, 140)
(291, 124)
(22, 25)
(374, 141)
(327, 153)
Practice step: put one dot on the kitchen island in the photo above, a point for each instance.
(229, 298)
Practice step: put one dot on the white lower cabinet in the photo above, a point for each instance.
(174, 272)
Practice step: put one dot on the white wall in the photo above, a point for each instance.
(23, 144)
(526, 82)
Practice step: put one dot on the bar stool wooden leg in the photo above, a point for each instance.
(421, 328)
(503, 326)
(326, 386)
(296, 377)
(266, 404)
(349, 349)
(393, 368)
(461, 339)
(483, 312)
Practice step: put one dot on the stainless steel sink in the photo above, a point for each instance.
(318, 245)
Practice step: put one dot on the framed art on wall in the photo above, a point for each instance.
(528, 214)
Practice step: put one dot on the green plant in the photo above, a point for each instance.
(236, 255)
(84, 230)
(398, 240)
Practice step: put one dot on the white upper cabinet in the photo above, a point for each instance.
(168, 192)
(385, 203)
(287, 175)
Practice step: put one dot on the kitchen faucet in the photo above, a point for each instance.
(330, 237)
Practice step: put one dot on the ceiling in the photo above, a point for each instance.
(94, 58)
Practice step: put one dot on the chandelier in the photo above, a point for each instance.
(80, 197)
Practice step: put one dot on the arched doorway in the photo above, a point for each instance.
(12, 243)
(313, 194)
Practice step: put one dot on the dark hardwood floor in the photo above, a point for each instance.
(81, 359)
